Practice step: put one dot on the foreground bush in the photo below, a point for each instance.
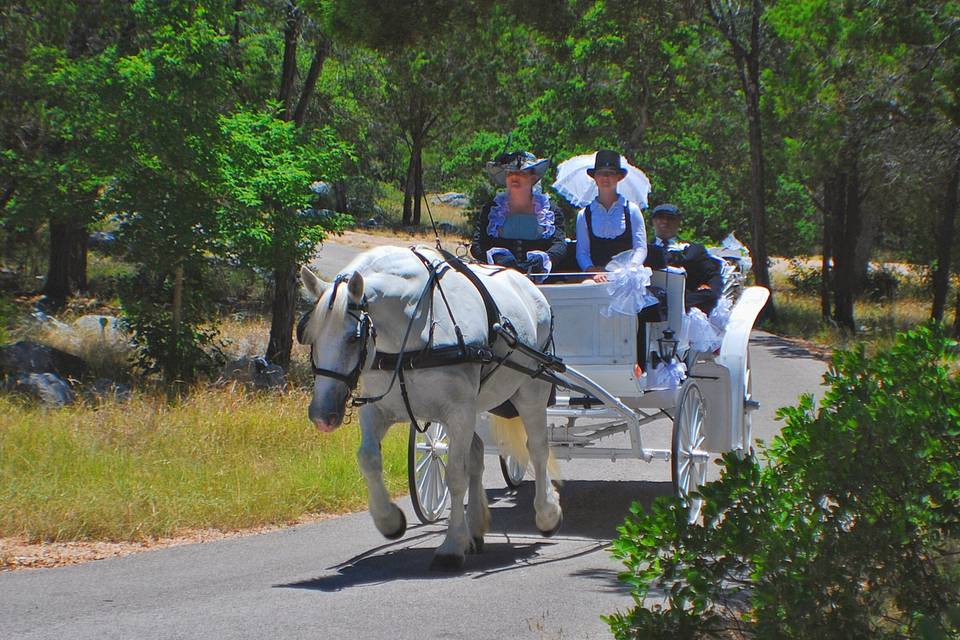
(148, 468)
(852, 531)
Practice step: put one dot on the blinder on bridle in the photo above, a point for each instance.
(363, 332)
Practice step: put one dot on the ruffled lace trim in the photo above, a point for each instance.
(501, 207)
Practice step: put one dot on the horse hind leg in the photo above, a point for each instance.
(387, 516)
(478, 513)
(531, 403)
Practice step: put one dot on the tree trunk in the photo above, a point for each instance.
(282, 316)
(845, 206)
(825, 306)
(285, 291)
(320, 54)
(758, 213)
(408, 191)
(67, 267)
(956, 318)
(171, 370)
(746, 55)
(417, 182)
(941, 276)
(288, 72)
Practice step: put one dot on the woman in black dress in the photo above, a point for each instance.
(519, 229)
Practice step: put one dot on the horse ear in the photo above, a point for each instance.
(312, 282)
(355, 287)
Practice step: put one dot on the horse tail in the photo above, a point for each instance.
(511, 439)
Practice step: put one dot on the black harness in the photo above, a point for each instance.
(430, 356)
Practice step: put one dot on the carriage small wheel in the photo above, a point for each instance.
(688, 462)
(427, 471)
(512, 470)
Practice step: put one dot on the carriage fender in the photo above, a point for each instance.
(733, 357)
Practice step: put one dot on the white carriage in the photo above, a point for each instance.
(710, 407)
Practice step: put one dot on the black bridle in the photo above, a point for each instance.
(362, 334)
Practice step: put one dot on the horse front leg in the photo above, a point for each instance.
(531, 403)
(450, 554)
(387, 516)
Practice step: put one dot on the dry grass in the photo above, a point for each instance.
(877, 321)
(220, 458)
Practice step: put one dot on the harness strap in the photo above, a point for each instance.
(493, 311)
(437, 357)
(435, 269)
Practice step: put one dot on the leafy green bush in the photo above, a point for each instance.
(804, 279)
(850, 532)
(182, 353)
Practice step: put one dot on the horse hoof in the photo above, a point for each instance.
(476, 545)
(549, 533)
(399, 532)
(446, 563)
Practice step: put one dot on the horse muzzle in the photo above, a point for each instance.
(326, 415)
(328, 425)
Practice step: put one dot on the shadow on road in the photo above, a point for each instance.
(782, 348)
(591, 508)
(592, 512)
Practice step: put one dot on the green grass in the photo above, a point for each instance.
(144, 469)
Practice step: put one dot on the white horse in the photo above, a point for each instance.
(387, 283)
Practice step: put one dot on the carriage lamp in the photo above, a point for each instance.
(667, 346)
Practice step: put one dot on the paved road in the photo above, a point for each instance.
(340, 579)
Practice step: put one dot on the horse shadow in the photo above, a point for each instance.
(592, 512)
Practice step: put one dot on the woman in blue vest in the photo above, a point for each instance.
(609, 224)
(519, 229)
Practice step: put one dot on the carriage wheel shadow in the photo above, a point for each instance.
(592, 512)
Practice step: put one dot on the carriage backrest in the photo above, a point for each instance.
(582, 334)
(673, 281)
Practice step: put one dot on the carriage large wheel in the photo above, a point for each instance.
(512, 470)
(427, 471)
(688, 463)
(749, 406)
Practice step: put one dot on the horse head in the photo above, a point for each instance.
(338, 330)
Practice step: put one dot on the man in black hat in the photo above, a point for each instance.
(704, 280)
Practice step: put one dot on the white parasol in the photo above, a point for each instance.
(574, 184)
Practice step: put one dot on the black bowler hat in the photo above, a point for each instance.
(666, 210)
(607, 159)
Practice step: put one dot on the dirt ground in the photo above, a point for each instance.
(19, 554)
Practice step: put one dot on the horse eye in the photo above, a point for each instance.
(352, 338)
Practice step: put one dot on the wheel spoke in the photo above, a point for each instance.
(422, 462)
(431, 492)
